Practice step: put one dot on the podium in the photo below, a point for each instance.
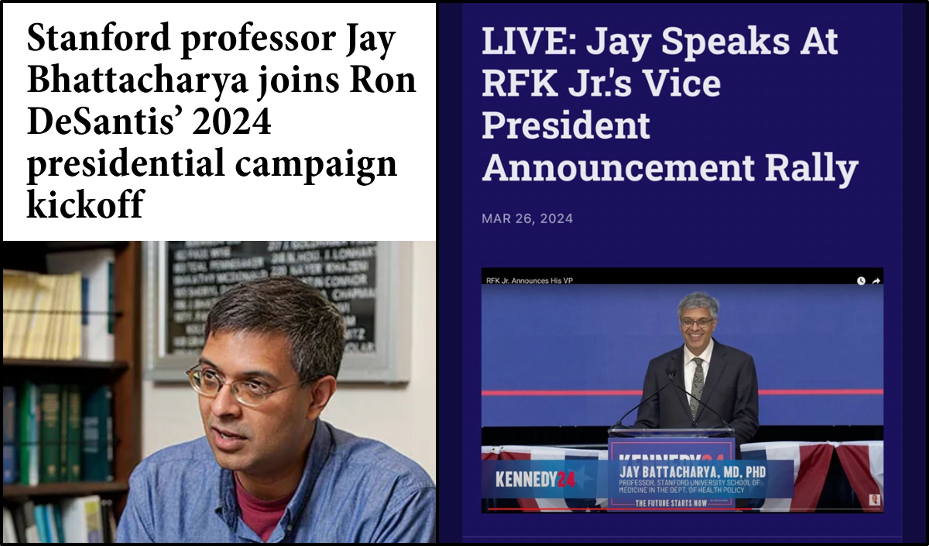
(670, 444)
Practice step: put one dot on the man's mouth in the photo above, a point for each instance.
(227, 441)
(229, 434)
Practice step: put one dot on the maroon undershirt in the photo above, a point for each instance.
(260, 515)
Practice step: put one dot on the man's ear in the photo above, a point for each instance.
(322, 390)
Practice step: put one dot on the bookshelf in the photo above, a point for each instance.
(123, 373)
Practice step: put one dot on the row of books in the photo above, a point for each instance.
(82, 520)
(57, 433)
(65, 315)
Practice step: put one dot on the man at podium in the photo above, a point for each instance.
(704, 383)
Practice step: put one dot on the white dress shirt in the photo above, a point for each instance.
(690, 367)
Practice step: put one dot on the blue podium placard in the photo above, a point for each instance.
(654, 446)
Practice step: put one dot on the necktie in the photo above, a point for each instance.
(697, 389)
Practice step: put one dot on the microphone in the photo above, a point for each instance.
(705, 406)
(671, 380)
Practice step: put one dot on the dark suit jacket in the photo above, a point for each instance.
(731, 388)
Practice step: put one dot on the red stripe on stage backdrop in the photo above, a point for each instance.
(762, 392)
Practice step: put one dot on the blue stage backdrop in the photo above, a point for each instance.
(818, 350)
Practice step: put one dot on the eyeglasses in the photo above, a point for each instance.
(703, 323)
(249, 392)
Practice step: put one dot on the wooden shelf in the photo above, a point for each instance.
(116, 366)
(64, 489)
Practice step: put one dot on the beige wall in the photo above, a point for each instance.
(403, 417)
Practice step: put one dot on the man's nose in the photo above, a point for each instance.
(225, 402)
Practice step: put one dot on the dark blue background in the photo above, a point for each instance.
(784, 224)
(601, 337)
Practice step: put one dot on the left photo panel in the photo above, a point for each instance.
(266, 386)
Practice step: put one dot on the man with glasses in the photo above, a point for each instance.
(269, 470)
(721, 377)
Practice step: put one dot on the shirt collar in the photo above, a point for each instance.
(320, 449)
(707, 353)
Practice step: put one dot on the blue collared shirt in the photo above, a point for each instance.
(352, 490)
